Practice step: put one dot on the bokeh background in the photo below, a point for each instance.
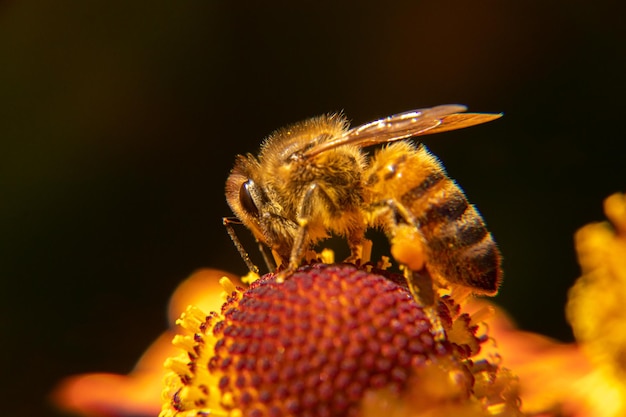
(119, 122)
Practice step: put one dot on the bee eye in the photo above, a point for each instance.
(245, 198)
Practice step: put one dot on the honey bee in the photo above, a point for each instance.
(313, 178)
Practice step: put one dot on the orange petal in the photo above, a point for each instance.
(202, 289)
(550, 372)
(108, 395)
(139, 392)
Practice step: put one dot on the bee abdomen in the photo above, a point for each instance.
(482, 269)
(461, 248)
(424, 187)
(466, 230)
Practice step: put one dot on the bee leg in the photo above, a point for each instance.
(407, 247)
(228, 222)
(421, 286)
(356, 242)
(267, 258)
(305, 208)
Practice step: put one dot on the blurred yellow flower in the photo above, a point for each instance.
(596, 310)
(585, 379)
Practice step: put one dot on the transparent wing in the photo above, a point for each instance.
(461, 120)
(405, 125)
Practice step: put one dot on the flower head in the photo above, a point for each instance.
(329, 341)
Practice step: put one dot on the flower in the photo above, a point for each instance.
(359, 331)
(345, 340)
(595, 308)
(332, 340)
(586, 378)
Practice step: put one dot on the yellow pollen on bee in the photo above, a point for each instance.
(408, 249)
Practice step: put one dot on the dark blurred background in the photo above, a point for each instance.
(119, 122)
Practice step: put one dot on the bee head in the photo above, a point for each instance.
(244, 196)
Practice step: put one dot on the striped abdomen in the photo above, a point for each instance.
(458, 247)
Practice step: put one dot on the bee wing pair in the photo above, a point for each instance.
(406, 125)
